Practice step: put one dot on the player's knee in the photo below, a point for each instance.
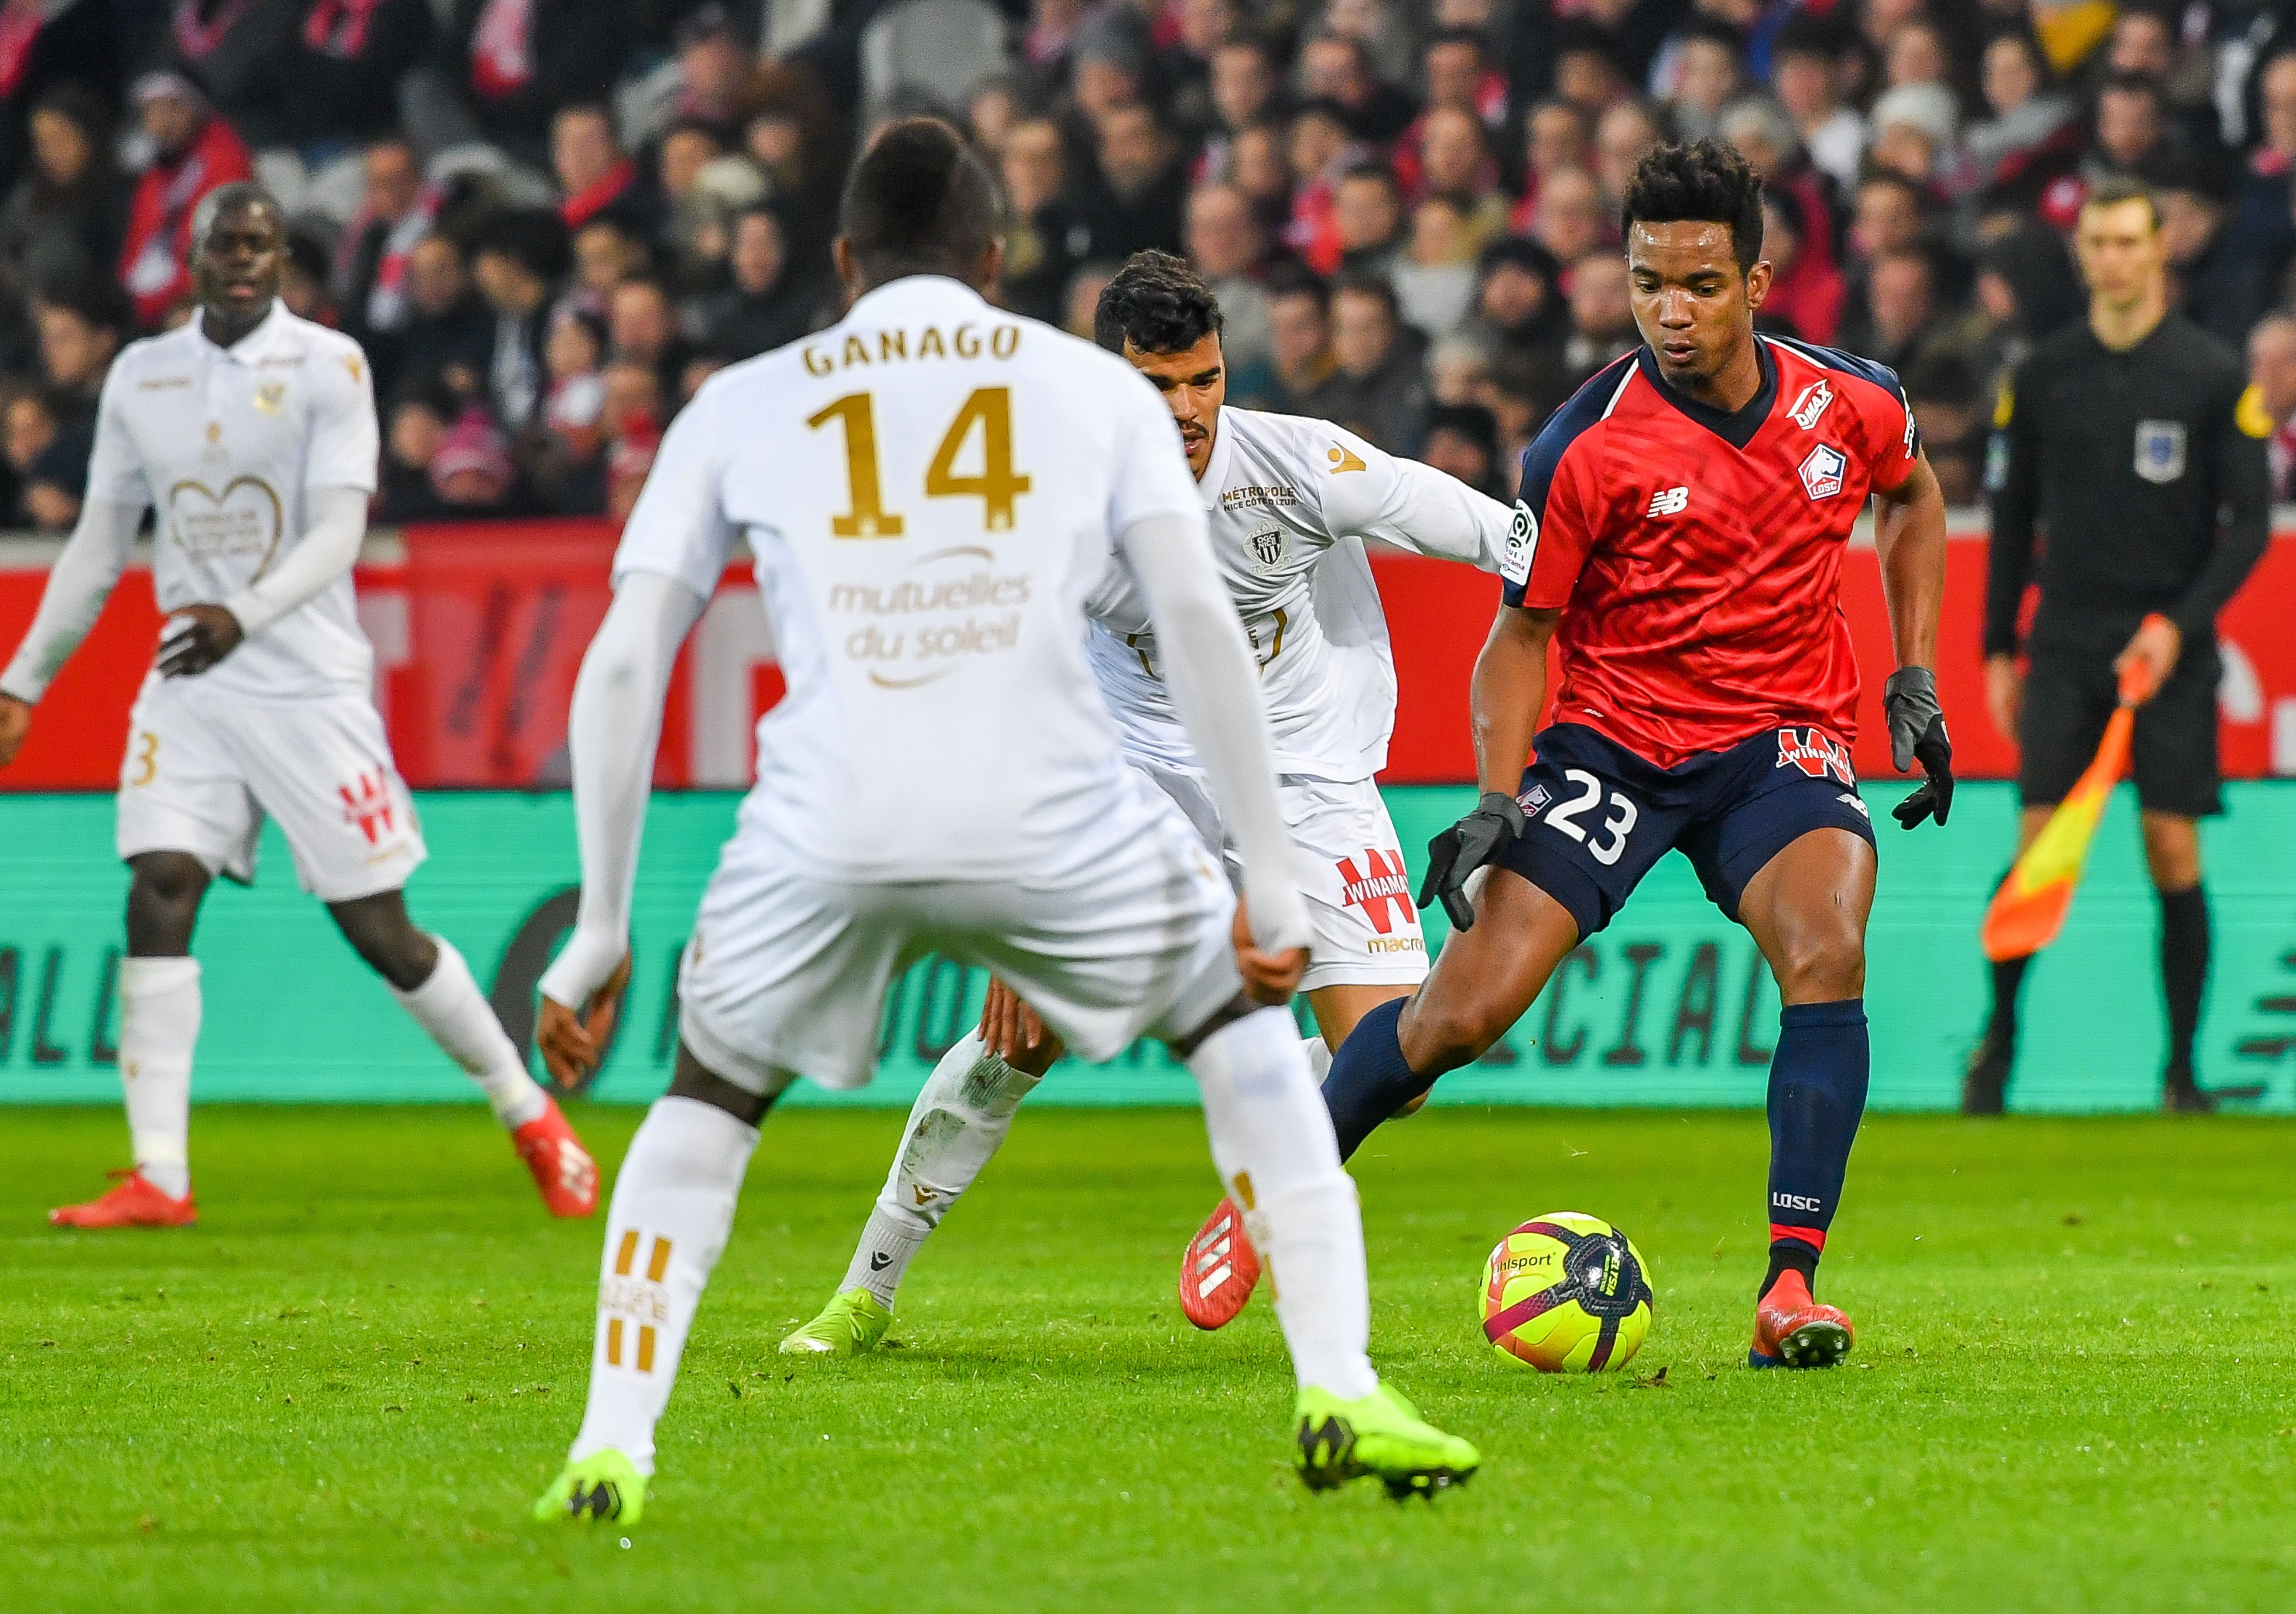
(385, 939)
(1823, 966)
(690, 1078)
(1442, 1035)
(163, 902)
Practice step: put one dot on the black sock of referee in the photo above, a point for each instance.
(2183, 968)
(2008, 980)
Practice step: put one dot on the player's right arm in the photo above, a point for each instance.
(2014, 475)
(672, 549)
(1546, 546)
(82, 579)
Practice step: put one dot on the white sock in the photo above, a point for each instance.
(159, 1025)
(958, 1122)
(1272, 1140)
(673, 1207)
(1319, 1058)
(456, 1014)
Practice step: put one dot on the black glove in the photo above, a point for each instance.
(1917, 732)
(1465, 846)
(195, 638)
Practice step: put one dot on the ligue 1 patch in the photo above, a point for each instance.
(1811, 405)
(2159, 450)
(1521, 544)
(1267, 546)
(1823, 471)
(1533, 800)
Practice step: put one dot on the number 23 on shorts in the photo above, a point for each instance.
(1606, 841)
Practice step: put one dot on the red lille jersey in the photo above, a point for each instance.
(1696, 555)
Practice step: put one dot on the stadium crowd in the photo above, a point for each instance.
(549, 220)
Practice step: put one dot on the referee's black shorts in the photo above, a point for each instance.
(2069, 697)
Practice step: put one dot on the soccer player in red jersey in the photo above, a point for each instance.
(1678, 541)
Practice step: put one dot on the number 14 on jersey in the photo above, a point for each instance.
(997, 485)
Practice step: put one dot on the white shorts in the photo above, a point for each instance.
(1352, 873)
(787, 967)
(205, 766)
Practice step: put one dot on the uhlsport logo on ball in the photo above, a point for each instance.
(1566, 1293)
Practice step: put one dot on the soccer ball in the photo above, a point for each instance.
(1566, 1293)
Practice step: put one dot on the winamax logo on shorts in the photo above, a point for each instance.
(1817, 753)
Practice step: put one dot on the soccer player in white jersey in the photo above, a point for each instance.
(932, 490)
(252, 434)
(1289, 501)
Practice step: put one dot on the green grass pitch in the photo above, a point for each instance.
(2071, 1389)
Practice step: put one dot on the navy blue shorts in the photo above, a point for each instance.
(1600, 817)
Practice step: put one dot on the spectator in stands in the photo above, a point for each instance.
(194, 152)
(642, 328)
(1045, 237)
(1321, 148)
(518, 257)
(769, 303)
(1378, 387)
(1462, 439)
(605, 255)
(62, 221)
(342, 68)
(1434, 281)
(1109, 63)
(2032, 134)
(1572, 220)
(2027, 288)
(2272, 371)
(1760, 130)
(2208, 282)
(1456, 166)
(1229, 248)
(414, 425)
(510, 65)
(53, 43)
(449, 329)
(1335, 68)
(1245, 86)
(635, 416)
(2133, 130)
(701, 83)
(1623, 136)
(2260, 233)
(1262, 171)
(1710, 74)
(1951, 405)
(371, 259)
(1806, 74)
(1519, 308)
(595, 177)
(564, 453)
(303, 283)
(1914, 127)
(1300, 340)
(1807, 292)
(82, 326)
(46, 460)
(1455, 66)
(1135, 198)
(471, 472)
(1888, 216)
(1368, 210)
(1184, 64)
(1602, 314)
(237, 56)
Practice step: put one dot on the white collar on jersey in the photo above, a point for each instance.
(896, 294)
(270, 332)
(1208, 486)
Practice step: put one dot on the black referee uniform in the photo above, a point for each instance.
(2144, 472)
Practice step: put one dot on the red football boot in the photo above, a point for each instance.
(562, 1168)
(134, 1203)
(1220, 1271)
(1793, 1330)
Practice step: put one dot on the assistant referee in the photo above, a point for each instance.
(2134, 445)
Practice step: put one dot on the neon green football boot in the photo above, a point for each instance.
(605, 1487)
(1380, 1434)
(853, 1322)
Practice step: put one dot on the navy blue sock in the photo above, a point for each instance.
(1817, 1096)
(1370, 1079)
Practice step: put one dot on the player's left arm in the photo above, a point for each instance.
(673, 550)
(2243, 531)
(1414, 507)
(1909, 535)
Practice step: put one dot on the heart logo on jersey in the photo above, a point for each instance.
(241, 523)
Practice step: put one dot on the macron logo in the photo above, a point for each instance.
(1669, 501)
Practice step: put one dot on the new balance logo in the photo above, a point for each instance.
(1669, 501)
(1384, 884)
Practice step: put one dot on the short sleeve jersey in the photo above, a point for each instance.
(1290, 501)
(932, 489)
(227, 444)
(1696, 554)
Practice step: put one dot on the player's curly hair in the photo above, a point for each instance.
(1158, 303)
(1701, 181)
